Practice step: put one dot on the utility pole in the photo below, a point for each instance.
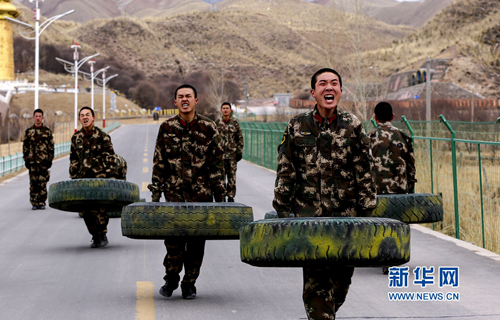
(428, 96)
(91, 76)
(37, 32)
(102, 83)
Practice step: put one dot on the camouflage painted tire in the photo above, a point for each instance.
(410, 208)
(299, 242)
(207, 220)
(113, 214)
(82, 194)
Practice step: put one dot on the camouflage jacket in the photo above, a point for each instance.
(187, 163)
(232, 138)
(38, 148)
(121, 167)
(92, 155)
(324, 167)
(394, 161)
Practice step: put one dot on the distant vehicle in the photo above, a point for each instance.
(157, 109)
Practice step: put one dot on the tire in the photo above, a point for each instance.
(300, 242)
(407, 208)
(271, 215)
(410, 208)
(82, 194)
(204, 220)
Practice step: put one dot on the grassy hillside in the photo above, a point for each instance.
(467, 32)
(277, 47)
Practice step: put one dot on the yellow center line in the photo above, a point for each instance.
(145, 186)
(145, 170)
(145, 307)
(145, 160)
(145, 154)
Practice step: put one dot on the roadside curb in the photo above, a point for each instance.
(466, 245)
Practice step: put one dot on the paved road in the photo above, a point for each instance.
(48, 271)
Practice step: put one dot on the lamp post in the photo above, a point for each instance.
(102, 83)
(73, 68)
(37, 30)
(91, 77)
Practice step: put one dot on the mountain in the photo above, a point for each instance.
(276, 47)
(414, 14)
(86, 10)
(467, 33)
(277, 44)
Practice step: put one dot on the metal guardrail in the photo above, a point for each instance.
(15, 162)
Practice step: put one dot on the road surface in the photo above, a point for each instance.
(48, 270)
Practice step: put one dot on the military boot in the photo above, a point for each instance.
(229, 199)
(188, 290)
(96, 241)
(104, 240)
(168, 289)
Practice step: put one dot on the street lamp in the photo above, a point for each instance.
(91, 76)
(102, 83)
(73, 68)
(37, 32)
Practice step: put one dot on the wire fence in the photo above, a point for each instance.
(459, 160)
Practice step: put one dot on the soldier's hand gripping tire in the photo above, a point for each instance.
(300, 242)
(204, 220)
(77, 195)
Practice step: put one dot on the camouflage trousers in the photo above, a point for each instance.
(325, 290)
(183, 252)
(230, 173)
(96, 221)
(38, 186)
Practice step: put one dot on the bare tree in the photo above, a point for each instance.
(354, 65)
(215, 92)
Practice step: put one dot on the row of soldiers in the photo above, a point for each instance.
(326, 168)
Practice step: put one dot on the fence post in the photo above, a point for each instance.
(481, 191)
(454, 167)
(374, 123)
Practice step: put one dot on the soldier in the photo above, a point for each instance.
(92, 156)
(232, 141)
(392, 149)
(187, 167)
(324, 170)
(38, 153)
(394, 162)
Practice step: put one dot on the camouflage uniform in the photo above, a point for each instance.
(121, 167)
(187, 167)
(232, 142)
(394, 167)
(324, 170)
(38, 153)
(92, 156)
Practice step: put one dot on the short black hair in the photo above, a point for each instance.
(321, 71)
(383, 111)
(38, 110)
(86, 107)
(226, 104)
(186, 86)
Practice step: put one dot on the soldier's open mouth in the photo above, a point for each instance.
(329, 98)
